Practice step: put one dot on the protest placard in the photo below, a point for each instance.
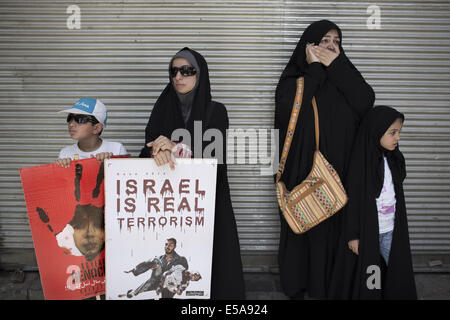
(159, 228)
(66, 214)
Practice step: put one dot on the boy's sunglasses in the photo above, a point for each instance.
(185, 71)
(81, 118)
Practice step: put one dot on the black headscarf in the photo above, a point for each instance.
(167, 115)
(343, 98)
(187, 99)
(365, 181)
(313, 34)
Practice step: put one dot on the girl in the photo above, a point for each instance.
(187, 98)
(376, 228)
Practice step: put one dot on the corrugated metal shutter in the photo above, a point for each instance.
(120, 55)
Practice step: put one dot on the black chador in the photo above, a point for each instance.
(173, 111)
(343, 98)
(354, 276)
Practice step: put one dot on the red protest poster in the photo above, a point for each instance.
(66, 214)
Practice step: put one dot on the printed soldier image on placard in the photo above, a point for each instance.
(169, 275)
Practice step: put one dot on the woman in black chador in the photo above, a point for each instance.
(374, 260)
(187, 98)
(343, 98)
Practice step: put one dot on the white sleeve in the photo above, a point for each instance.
(122, 151)
(63, 154)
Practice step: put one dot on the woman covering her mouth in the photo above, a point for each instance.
(343, 98)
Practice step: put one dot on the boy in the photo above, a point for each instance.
(86, 121)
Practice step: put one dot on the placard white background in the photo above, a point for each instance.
(126, 248)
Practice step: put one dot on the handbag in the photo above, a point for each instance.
(321, 194)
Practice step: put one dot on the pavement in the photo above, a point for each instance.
(21, 285)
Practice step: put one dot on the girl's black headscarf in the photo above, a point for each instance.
(366, 174)
(365, 181)
(368, 152)
(167, 114)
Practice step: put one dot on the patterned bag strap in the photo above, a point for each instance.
(316, 122)
(291, 128)
(292, 124)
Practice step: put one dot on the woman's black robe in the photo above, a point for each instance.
(365, 180)
(227, 276)
(343, 98)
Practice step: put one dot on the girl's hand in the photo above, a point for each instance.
(354, 246)
(325, 56)
(161, 143)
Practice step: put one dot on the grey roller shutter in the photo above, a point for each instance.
(120, 55)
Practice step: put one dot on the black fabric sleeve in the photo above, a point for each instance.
(352, 224)
(355, 205)
(315, 75)
(152, 131)
(146, 152)
(358, 93)
(219, 121)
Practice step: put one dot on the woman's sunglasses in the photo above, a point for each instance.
(185, 71)
(81, 118)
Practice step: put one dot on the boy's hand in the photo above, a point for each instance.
(65, 163)
(102, 156)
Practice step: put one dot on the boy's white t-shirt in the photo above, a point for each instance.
(116, 148)
(386, 202)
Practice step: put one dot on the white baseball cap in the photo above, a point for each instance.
(90, 106)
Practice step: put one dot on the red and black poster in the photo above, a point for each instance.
(66, 213)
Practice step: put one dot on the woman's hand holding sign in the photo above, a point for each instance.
(162, 151)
